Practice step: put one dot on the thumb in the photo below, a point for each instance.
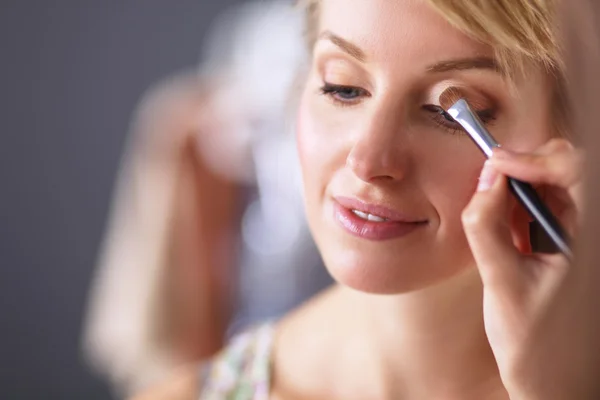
(487, 224)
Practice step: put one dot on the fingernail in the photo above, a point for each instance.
(487, 178)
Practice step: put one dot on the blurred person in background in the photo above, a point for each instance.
(207, 233)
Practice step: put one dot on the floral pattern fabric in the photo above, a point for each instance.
(242, 370)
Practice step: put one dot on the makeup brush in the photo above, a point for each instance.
(453, 100)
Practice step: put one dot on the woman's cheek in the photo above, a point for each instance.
(317, 139)
(305, 138)
(451, 180)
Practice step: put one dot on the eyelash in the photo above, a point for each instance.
(337, 92)
(350, 95)
(445, 121)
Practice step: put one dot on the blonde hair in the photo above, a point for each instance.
(521, 32)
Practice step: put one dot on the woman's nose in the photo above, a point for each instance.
(380, 150)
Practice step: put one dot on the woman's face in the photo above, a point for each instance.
(386, 175)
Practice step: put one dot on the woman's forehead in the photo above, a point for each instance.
(397, 31)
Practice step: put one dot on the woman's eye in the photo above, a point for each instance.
(344, 94)
(445, 120)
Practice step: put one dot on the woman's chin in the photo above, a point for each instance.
(381, 277)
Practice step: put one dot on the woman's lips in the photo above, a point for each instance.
(372, 222)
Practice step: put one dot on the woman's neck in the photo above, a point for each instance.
(430, 343)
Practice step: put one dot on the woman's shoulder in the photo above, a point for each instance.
(246, 366)
(242, 367)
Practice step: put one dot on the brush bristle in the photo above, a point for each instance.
(450, 96)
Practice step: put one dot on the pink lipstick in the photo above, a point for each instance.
(373, 222)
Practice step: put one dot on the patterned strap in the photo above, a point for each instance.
(204, 374)
(242, 370)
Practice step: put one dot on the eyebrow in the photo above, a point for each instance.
(463, 64)
(344, 45)
(460, 64)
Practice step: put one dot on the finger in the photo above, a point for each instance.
(557, 167)
(554, 145)
(556, 164)
(486, 221)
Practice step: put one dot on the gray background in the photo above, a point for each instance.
(71, 74)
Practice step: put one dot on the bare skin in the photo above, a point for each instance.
(458, 308)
